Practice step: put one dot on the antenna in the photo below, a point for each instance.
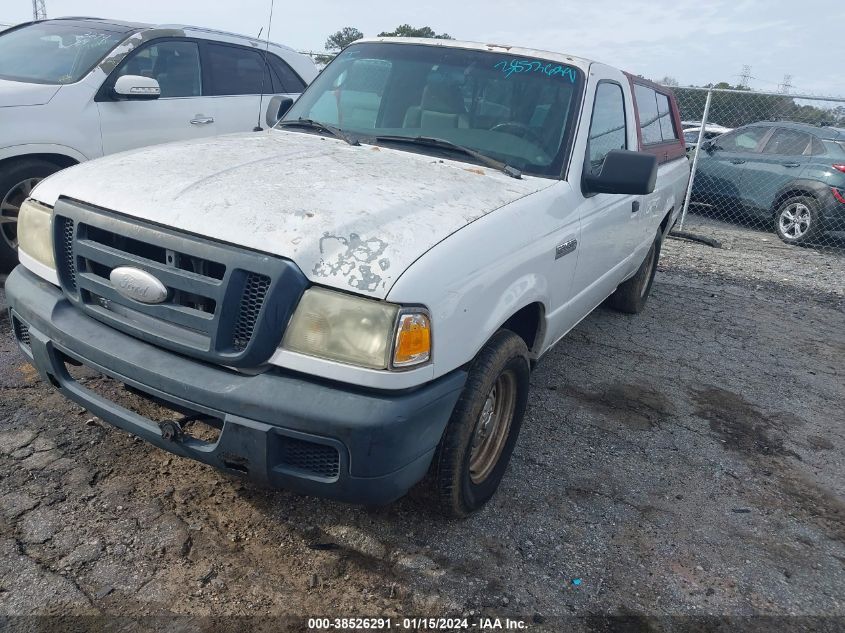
(39, 10)
(266, 69)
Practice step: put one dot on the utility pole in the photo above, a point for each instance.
(39, 10)
(786, 86)
(745, 76)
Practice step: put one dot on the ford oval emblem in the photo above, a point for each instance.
(139, 285)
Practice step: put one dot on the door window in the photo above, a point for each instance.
(664, 112)
(285, 80)
(744, 140)
(237, 71)
(787, 142)
(174, 65)
(607, 128)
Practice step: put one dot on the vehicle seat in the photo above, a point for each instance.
(177, 75)
(442, 107)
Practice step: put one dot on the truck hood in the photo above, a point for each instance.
(18, 93)
(350, 217)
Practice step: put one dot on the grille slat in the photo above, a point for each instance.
(319, 459)
(172, 277)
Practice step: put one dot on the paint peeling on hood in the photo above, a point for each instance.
(349, 217)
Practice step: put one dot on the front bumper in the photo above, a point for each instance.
(382, 442)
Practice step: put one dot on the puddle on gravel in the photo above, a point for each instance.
(637, 406)
(741, 425)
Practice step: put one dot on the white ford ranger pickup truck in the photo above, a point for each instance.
(355, 298)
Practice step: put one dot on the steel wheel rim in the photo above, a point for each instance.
(795, 220)
(10, 207)
(493, 427)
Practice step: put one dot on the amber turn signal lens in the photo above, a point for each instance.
(413, 340)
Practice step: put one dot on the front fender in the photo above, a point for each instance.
(17, 151)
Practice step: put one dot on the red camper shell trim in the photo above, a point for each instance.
(668, 150)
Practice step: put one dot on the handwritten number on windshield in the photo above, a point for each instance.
(528, 66)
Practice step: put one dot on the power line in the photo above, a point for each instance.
(745, 76)
(39, 9)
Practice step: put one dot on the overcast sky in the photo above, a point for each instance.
(695, 42)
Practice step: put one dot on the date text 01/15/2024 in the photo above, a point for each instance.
(416, 624)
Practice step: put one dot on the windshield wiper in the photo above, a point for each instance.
(431, 141)
(316, 125)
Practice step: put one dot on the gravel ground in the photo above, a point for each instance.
(684, 462)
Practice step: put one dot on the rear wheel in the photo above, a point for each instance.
(797, 220)
(17, 180)
(476, 446)
(631, 296)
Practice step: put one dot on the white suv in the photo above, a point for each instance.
(74, 89)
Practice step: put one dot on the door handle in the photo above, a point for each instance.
(202, 120)
(737, 161)
(792, 164)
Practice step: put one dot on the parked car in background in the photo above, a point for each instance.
(73, 89)
(710, 132)
(685, 125)
(791, 175)
(356, 297)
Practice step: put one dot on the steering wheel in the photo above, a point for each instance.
(519, 129)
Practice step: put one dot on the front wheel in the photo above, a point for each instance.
(17, 180)
(797, 220)
(476, 446)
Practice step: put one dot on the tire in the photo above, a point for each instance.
(797, 220)
(631, 296)
(17, 178)
(467, 468)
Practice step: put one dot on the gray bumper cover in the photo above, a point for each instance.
(385, 440)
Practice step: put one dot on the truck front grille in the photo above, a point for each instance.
(224, 304)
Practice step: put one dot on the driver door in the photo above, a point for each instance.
(180, 113)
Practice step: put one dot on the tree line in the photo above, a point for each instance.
(339, 40)
(733, 109)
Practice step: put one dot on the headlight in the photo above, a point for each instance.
(35, 237)
(357, 331)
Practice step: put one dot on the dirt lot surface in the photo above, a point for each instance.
(684, 462)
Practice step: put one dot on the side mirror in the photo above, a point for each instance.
(277, 109)
(136, 87)
(624, 172)
(709, 146)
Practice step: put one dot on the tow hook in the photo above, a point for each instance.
(174, 430)
(171, 430)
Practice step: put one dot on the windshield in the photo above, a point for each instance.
(53, 52)
(517, 110)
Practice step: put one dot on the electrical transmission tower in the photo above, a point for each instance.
(786, 86)
(39, 10)
(745, 76)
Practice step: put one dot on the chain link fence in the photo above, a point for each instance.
(767, 162)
